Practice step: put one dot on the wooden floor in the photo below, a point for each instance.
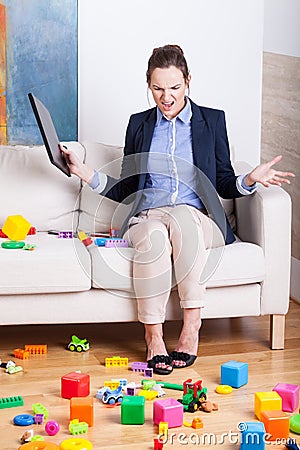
(241, 339)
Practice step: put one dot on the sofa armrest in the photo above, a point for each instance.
(264, 218)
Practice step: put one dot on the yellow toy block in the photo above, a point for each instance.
(112, 384)
(163, 428)
(266, 401)
(81, 235)
(16, 227)
(116, 361)
(149, 395)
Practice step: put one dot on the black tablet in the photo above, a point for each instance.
(49, 134)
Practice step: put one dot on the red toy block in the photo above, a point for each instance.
(75, 384)
(82, 409)
(158, 445)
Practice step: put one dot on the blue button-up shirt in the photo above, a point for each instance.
(171, 178)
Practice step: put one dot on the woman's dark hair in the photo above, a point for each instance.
(166, 56)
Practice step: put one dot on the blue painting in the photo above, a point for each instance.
(42, 58)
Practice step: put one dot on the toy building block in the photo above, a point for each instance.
(252, 436)
(65, 234)
(139, 366)
(112, 384)
(197, 423)
(82, 409)
(122, 381)
(75, 384)
(168, 410)
(130, 390)
(158, 445)
(76, 427)
(116, 361)
(81, 235)
(38, 408)
(149, 395)
(133, 410)
(277, 424)
(13, 369)
(295, 423)
(20, 353)
(39, 419)
(234, 373)
(148, 384)
(11, 402)
(266, 401)
(289, 394)
(148, 372)
(36, 349)
(16, 227)
(116, 242)
(163, 428)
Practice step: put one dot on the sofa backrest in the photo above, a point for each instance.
(99, 214)
(31, 186)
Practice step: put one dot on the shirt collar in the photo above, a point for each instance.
(184, 115)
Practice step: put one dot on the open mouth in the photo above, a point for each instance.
(167, 105)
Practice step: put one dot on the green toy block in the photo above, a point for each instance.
(38, 408)
(11, 402)
(16, 227)
(133, 410)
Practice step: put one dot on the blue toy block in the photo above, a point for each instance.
(234, 373)
(252, 436)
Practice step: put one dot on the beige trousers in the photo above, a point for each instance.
(172, 249)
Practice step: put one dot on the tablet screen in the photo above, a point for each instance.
(49, 134)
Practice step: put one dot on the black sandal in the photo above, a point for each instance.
(185, 358)
(160, 359)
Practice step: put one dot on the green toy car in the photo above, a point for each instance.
(78, 345)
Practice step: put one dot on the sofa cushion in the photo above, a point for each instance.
(31, 186)
(55, 265)
(235, 264)
(99, 214)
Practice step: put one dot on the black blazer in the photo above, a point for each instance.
(211, 155)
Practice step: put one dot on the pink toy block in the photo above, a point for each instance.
(168, 410)
(75, 384)
(289, 394)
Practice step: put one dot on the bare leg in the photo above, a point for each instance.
(155, 343)
(189, 336)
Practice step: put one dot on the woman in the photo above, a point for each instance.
(176, 157)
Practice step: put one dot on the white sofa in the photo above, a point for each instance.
(62, 281)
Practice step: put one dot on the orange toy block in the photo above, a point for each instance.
(36, 349)
(82, 408)
(16, 227)
(197, 423)
(20, 353)
(277, 424)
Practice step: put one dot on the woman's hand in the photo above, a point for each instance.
(76, 167)
(266, 175)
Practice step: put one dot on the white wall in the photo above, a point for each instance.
(282, 27)
(223, 45)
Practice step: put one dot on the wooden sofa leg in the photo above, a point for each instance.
(277, 330)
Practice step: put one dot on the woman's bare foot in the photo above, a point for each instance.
(156, 347)
(187, 345)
